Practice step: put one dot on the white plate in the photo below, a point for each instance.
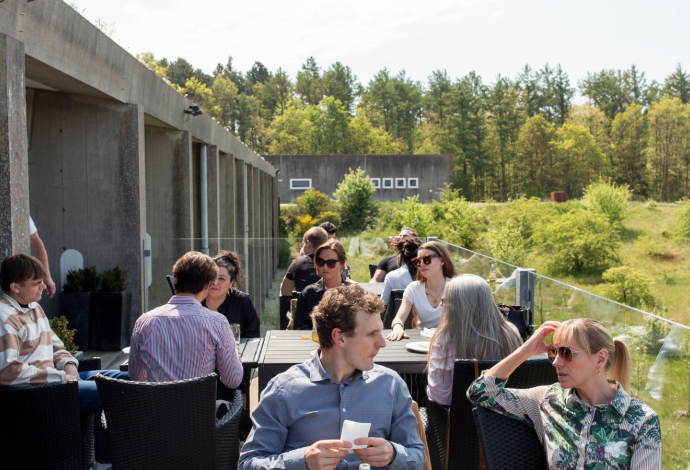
(418, 346)
(125, 350)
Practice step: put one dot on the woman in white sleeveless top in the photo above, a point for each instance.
(434, 269)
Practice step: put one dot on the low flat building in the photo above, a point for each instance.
(395, 177)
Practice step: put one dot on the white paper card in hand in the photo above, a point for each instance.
(353, 430)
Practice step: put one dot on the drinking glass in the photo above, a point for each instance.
(235, 327)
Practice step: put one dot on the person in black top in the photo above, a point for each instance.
(391, 263)
(329, 261)
(301, 272)
(236, 306)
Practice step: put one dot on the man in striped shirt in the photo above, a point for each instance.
(31, 354)
(182, 339)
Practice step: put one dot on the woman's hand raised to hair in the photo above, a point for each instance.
(537, 343)
(397, 333)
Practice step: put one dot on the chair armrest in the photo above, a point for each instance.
(89, 364)
(228, 435)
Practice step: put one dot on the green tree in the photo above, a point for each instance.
(668, 120)
(562, 95)
(536, 156)
(364, 139)
(577, 241)
(607, 90)
(605, 197)
(414, 214)
(530, 92)
(329, 122)
(225, 94)
(626, 285)
(308, 85)
(353, 196)
(465, 221)
(629, 137)
(257, 74)
(287, 133)
(235, 76)
(677, 85)
(340, 83)
(578, 159)
(595, 121)
(180, 71)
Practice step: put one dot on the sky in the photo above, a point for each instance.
(491, 37)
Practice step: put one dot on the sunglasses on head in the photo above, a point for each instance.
(565, 352)
(426, 259)
(320, 262)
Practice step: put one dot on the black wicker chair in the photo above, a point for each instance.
(169, 425)
(372, 270)
(392, 308)
(49, 414)
(508, 444)
(40, 426)
(457, 426)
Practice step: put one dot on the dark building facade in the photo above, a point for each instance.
(395, 176)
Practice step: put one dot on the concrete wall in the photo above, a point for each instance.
(86, 182)
(14, 168)
(327, 171)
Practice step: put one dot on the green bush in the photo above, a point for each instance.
(465, 221)
(576, 242)
(627, 285)
(605, 197)
(448, 194)
(651, 205)
(59, 327)
(525, 213)
(415, 215)
(313, 202)
(507, 243)
(682, 229)
(81, 280)
(114, 280)
(353, 196)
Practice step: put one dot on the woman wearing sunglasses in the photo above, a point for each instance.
(402, 277)
(329, 261)
(587, 419)
(435, 269)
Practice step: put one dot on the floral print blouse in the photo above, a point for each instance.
(623, 434)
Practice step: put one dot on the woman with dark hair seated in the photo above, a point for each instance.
(587, 419)
(329, 261)
(471, 328)
(402, 277)
(235, 305)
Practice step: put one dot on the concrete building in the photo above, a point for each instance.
(395, 176)
(99, 151)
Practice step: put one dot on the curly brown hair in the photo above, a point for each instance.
(338, 309)
(231, 261)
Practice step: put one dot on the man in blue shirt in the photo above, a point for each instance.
(299, 419)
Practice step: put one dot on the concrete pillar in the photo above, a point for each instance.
(251, 258)
(256, 216)
(14, 166)
(168, 208)
(226, 201)
(88, 184)
(213, 198)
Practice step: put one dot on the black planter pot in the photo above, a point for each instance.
(76, 307)
(111, 312)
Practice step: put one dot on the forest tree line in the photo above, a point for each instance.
(512, 137)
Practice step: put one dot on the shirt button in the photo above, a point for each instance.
(342, 385)
(344, 410)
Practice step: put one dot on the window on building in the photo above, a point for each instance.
(413, 183)
(376, 182)
(387, 183)
(303, 183)
(400, 183)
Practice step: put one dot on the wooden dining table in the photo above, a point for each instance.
(282, 349)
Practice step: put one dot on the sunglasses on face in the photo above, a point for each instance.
(565, 352)
(426, 259)
(320, 262)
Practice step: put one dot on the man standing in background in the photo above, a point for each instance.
(39, 251)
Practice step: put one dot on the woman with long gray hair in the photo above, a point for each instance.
(471, 328)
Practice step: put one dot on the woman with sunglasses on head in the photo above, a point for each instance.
(233, 304)
(471, 328)
(329, 261)
(435, 269)
(587, 419)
